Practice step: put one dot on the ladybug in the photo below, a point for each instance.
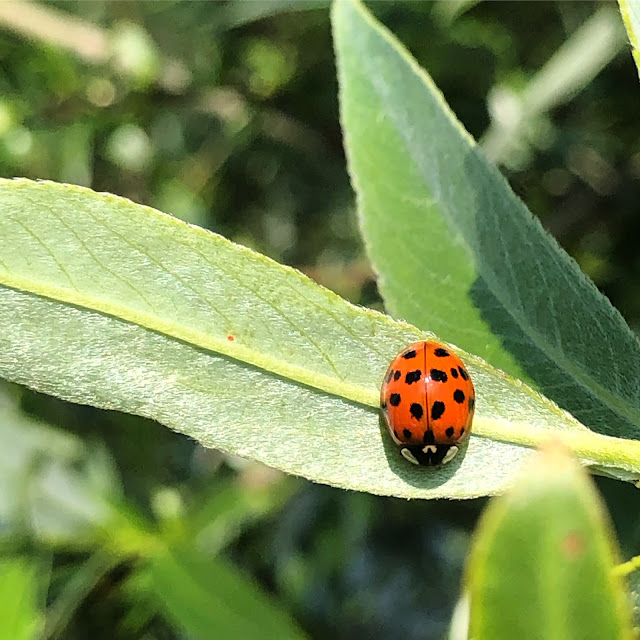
(428, 400)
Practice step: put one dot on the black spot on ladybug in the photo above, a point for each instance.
(437, 409)
(394, 399)
(383, 404)
(461, 431)
(441, 353)
(449, 432)
(416, 410)
(407, 434)
(413, 376)
(463, 373)
(389, 376)
(396, 375)
(472, 403)
(438, 376)
(454, 372)
(395, 433)
(428, 437)
(409, 354)
(458, 396)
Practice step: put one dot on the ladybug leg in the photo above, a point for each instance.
(430, 455)
(453, 450)
(406, 453)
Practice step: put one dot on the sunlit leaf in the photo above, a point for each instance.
(458, 253)
(116, 305)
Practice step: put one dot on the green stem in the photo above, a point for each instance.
(627, 567)
(591, 447)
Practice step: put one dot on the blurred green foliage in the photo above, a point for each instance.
(546, 543)
(225, 114)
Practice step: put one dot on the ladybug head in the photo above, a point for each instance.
(430, 455)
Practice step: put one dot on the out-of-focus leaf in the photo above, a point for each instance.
(209, 598)
(235, 14)
(633, 581)
(22, 598)
(450, 10)
(50, 483)
(75, 591)
(542, 562)
(230, 507)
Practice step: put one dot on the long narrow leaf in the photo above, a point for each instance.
(458, 253)
(116, 305)
(210, 599)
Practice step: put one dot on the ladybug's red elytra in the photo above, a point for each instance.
(428, 400)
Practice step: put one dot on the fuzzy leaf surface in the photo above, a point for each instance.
(458, 253)
(116, 305)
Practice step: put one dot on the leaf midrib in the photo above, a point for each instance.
(600, 449)
(231, 349)
(615, 403)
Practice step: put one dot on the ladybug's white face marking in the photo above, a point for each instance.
(453, 450)
(430, 448)
(409, 456)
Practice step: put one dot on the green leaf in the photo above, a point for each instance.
(228, 508)
(542, 562)
(116, 305)
(80, 584)
(633, 581)
(209, 598)
(235, 14)
(51, 484)
(22, 597)
(630, 10)
(458, 253)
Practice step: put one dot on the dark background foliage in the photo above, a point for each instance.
(225, 114)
